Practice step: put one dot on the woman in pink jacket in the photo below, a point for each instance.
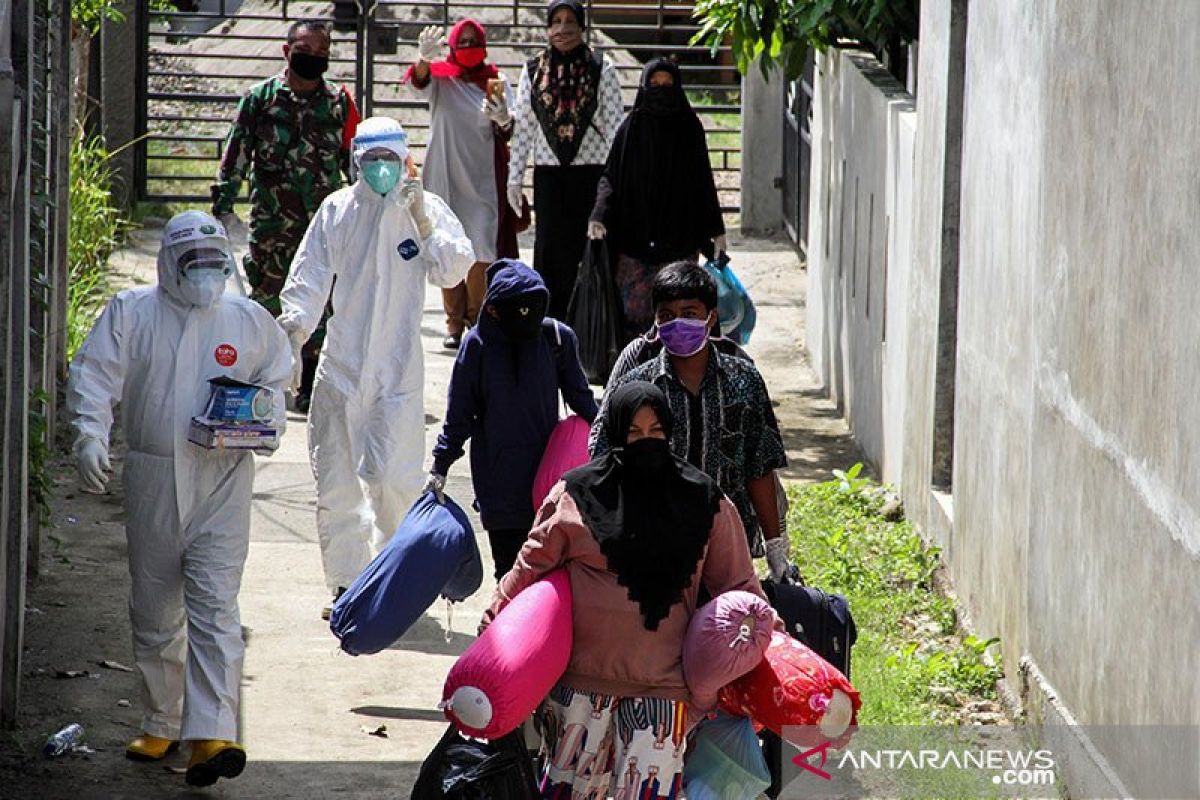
(639, 531)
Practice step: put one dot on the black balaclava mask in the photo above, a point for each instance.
(662, 100)
(521, 317)
(307, 65)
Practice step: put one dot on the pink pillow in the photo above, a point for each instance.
(500, 679)
(566, 450)
(725, 640)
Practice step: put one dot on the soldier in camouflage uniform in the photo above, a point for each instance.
(292, 134)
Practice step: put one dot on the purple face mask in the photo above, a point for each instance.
(684, 337)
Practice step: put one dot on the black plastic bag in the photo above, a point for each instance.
(595, 313)
(467, 769)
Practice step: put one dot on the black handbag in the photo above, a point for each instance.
(594, 312)
(468, 769)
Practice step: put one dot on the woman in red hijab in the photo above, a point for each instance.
(466, 162)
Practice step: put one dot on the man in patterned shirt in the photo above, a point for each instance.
(724, 423)
(292, 134)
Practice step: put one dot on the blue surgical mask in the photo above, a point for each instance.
(382, 176)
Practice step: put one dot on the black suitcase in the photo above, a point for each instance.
(823, 622)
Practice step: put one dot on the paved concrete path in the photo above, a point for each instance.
(307, 709)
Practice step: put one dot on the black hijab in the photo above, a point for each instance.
(663, 205)
(650, 511)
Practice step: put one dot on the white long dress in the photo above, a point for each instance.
(459, 162)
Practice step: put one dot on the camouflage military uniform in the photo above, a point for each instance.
(296, 148)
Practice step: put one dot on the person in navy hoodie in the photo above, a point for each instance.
(504, 397)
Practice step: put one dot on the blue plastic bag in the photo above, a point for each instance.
(433, 552)
(725, 761)
(730, 307)
(735, 309)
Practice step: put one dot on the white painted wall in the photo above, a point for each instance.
(1073, 528)
(859, 244)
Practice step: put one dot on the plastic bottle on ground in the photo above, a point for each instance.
(63, 741)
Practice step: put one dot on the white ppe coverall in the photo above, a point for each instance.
(366, 423)
(188, 509)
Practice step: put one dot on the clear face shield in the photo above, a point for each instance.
(203, 259)
(376, 146)
(203, 266)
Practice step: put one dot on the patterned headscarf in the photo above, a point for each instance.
(565, 91)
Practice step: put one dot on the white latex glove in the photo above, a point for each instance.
(297, 340)
(412, 194)
(777, 556)
(720, 245)
(92, 460)
(437, 484)
(496, 109)
(430, 43)
(596, 230)
(514, 197)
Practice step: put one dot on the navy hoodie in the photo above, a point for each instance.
(504, 398)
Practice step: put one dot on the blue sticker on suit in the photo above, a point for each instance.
(408, 250)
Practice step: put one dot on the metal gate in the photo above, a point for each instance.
(196, 64)
(797, 154)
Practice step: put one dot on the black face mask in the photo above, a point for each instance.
(647, 460)
(662, 99)
(308, 66)
(521, 317)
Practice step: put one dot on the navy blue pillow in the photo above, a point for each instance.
(433, 552)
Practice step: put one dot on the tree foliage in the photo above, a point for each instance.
(90, 14)
(780, 32)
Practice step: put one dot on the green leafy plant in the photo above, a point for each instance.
(848, 481)
(39, 455)
(95, 229)
(780, 32)
(91, 14)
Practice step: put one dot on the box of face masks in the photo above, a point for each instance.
(234, 401)
(213, 435)
(237, 417)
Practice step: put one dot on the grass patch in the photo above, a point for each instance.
(910, 664)
(923, 683)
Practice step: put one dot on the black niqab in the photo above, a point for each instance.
(652, 525)
(660, 203)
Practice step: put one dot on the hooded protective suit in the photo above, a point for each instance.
(366, 424)
(187, 509)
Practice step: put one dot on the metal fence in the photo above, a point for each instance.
(193, 68)
(34, 152)
(797, 154)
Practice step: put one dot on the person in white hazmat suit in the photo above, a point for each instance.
(382, 238)
(154, 350)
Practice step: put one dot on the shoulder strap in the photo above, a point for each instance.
(556, 345)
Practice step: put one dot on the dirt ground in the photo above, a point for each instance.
(308, 711)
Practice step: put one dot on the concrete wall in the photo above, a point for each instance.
(118, 96)
(1078, 446)
(762, 152)
(863, 137)
(1052, 348)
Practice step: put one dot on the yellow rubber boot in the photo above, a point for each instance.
(213, 759)
(150, 748)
